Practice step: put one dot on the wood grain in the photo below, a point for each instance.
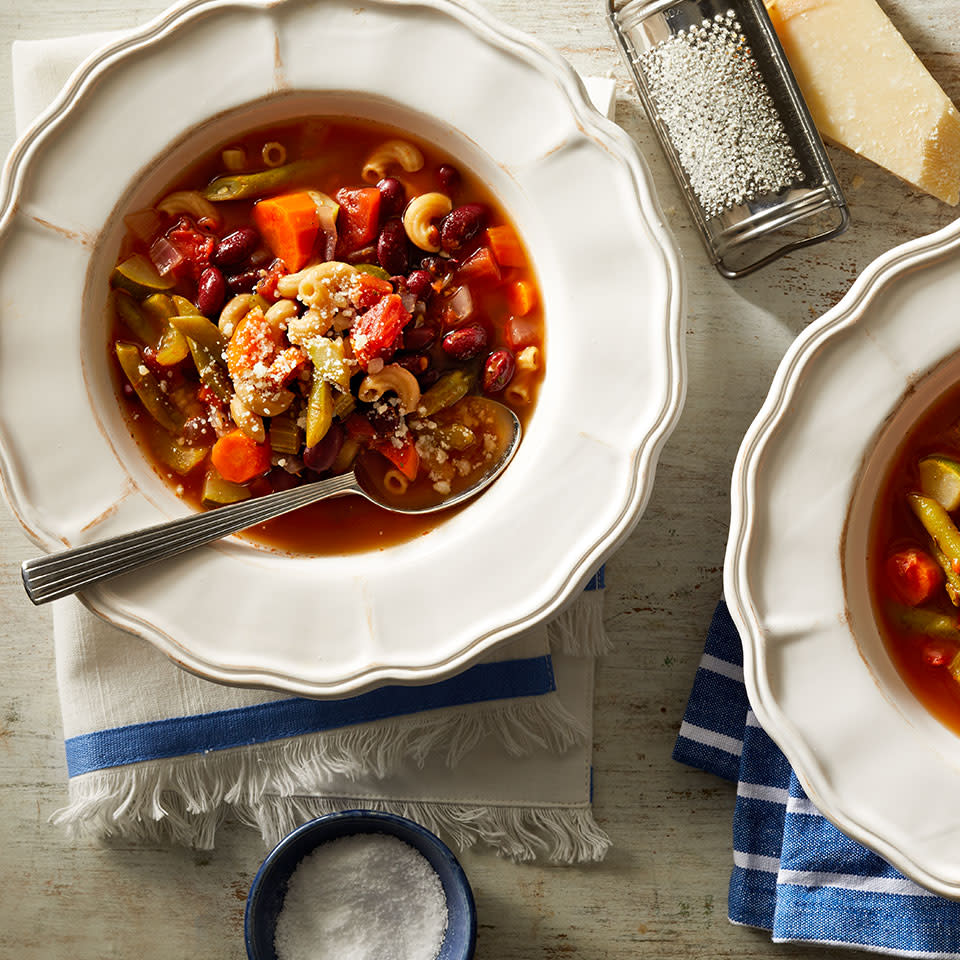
(662, 891)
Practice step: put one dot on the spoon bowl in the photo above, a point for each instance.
(61, 574)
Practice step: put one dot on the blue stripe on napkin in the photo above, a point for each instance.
(220, 730)
(794, 873)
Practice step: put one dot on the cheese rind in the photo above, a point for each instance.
(868, 91)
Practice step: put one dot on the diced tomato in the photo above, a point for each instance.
(913, 576)
(506, 247)
(370, 290)
(521, 333)
(479, 267)
(207, 396)
(195, 246)
(267, 285)
(521, 297)
(376, 330)
(405, 457)
(289, 225)
(359, 427)
(358, 218)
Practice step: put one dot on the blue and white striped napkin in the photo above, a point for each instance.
(794, 873)
(155, 753)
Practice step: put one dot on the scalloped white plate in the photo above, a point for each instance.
(868, 754)
(575, 185)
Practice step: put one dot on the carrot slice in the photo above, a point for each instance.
(521, 298)
(238, 458)
(505, 246)
(480, 266)
(288, 225)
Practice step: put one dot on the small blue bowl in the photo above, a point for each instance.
(269, 886)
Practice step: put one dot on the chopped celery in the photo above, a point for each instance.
(284, 435)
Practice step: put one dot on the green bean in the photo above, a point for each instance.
(211, 371)
(147, 388)
(928, 622)
(218, 490)
(246, 186)
(450, 388)
(203, 331)
(134, 319)
(945, 537)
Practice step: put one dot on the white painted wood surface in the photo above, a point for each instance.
(662, 891)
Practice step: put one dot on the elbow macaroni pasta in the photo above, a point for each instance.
(529, 359)
(394, 152)
(392, 377)
(395, 483)
(274, 154)
(419, 217)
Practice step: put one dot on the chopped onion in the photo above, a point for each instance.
(408, 300)
(461, 303)
(144, 224)
(165, 256)
(327, 242)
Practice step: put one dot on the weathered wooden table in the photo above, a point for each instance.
(662, 890)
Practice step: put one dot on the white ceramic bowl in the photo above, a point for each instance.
(504, 105)
(869, 755)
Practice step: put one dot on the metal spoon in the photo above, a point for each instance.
(60, 574)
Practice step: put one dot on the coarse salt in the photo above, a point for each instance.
(368, 896)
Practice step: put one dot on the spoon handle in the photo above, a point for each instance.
(60, 574)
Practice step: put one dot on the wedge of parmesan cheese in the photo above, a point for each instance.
(868, 91)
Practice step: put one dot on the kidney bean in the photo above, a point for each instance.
(418, 283)
(498, 371)
(235, 247)
(460, 224)
(448, 176)
(384, 418)
(393, 197)
(465, 342)
(211, 290)
(437, 267)
(197, 432)
(244, 282)
(321, 455)
(419, 338)
(392, 247)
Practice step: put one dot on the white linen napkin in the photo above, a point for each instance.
(156, 753)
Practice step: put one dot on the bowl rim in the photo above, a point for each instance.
(809, 759)
(645, 456)
(394, 825)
